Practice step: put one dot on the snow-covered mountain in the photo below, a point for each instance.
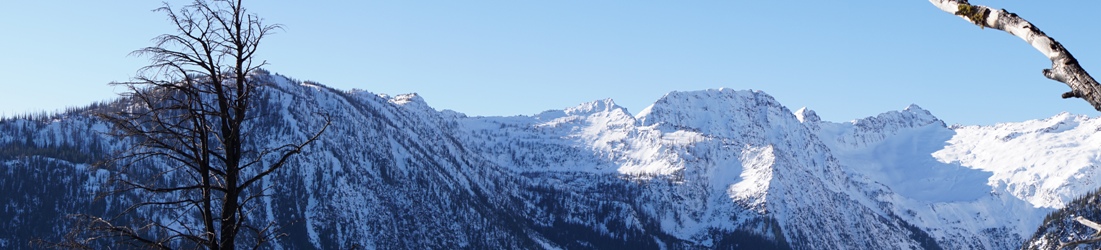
(701, 169)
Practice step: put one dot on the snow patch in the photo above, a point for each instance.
(755, 177)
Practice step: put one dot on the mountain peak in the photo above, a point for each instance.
(404, 99)
(919, 112)
(911, 116)
(706, 100)
(597, 106)
(874, 129)
(806, 115)
(410, 101)
(715, 110)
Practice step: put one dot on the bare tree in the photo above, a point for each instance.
(190, 168)
(1064, 68)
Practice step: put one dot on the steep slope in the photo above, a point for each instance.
(717, 167)
(45, 174)
(363, 185)
(1047, 162)
(787, 174)
(893, 155)
(1050, 162)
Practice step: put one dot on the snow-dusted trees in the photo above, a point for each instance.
(1064, 68)
(189, 169)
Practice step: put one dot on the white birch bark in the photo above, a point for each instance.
(1064, 68)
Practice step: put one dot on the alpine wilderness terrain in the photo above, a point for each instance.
(709, 169)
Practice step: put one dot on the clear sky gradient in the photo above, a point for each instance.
(844, 59)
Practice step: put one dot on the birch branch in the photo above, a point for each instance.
(1095, 237)
(1064, 68)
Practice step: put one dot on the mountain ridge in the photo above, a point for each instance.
(715, 168)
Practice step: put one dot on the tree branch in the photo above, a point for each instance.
(286, 155)
(1064, 68)
(1095, 237)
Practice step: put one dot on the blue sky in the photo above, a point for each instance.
(843, 59)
